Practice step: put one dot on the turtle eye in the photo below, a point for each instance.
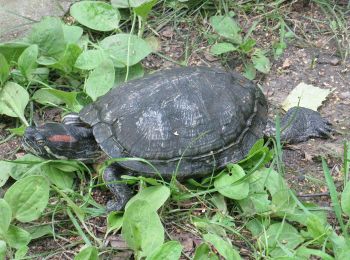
(39, 139)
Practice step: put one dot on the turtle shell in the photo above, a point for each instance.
(185, 120)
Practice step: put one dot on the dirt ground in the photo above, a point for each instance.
(314, 60)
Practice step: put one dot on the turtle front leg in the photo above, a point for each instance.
(122, 193)
(300, 123)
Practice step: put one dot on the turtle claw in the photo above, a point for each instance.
(300, 124)
(121, 192)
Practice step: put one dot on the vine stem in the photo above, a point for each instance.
(129, 43)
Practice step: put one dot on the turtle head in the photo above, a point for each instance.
(61, 141)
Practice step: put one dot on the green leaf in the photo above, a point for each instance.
(154, 195)
(135, 72)
(66, 62)
(203, 252)
(100, 80)
(129, 3)
(12, 50)
(96, 15)
(125, 49)
(260, 61)
(345, 199)
(13, 100)
(17, 237)
(90, 59)
(28, 198)
(72, 33)
(114, 221)
(222, 47)
(255, 204)
(48, 35)
(222, 246)
(225, 183)
(249, 71)
(143, 7)
(87, 253)
(27, 60)
(39, 231)
(306, 253)
(247, 46)
(226, 27)
(5, 169)
(2, 249)
(170, 250)
(45, 97)
(6, 217)
(281, 234)
(21, 252)
(4, 70)
(318, 228)
(56, 96)
(63, 180)
(142, 229)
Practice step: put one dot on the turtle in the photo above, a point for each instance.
(186, 121)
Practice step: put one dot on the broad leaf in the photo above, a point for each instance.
(225, 183)
(222, 47)
(125, 49)
(87, 253)
(142, 229)
(154, 195)
(135, 72)
(4, 70)
(169, 250)
(2, 249)
(27, 61)
(143, 7)
(6, 217)
(226, 27)
(5, 169)
(129, 3)
(96, 15)
(63, 180)
(13, 100)
(281, 234)
(345, 199)
(90, 59)
(66, 62)
(17, 237)
(48, 35)
(222, 246)
(100, 80)
(56, 96)
(203, 252)
(114, 221)
(260, 61)
(72, 33)
(28, 198)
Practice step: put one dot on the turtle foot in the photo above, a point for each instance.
(300, 124)
(121, 192)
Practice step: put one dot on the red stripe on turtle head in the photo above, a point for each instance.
(62, 138)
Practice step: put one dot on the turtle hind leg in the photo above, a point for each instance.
(300, 124)
(121, 192)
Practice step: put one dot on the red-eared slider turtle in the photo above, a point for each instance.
(190, 119)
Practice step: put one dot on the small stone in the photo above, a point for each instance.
(345, 95)
(286, 63)
(167, 32)
(328, 59)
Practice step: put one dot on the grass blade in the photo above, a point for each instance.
(334, 196)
